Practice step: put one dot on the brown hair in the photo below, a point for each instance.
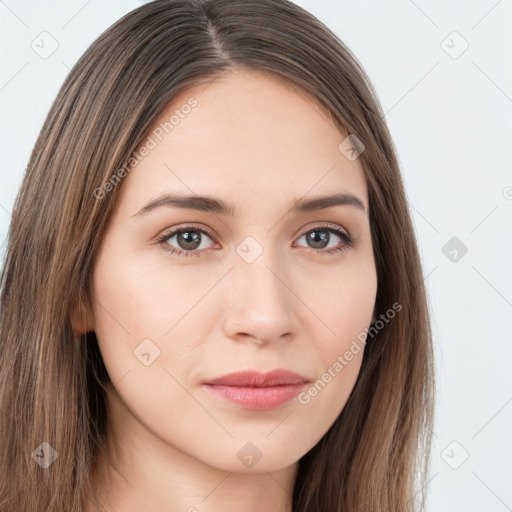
(52, 385)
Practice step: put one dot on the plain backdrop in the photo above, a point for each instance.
(442, 71)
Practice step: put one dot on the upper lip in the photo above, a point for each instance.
(252, 378)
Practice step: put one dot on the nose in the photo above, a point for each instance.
(259, 303)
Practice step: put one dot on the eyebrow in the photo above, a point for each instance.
(219, 206)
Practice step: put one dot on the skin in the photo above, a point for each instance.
(259, 144)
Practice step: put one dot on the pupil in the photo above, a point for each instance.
(319, 239)
(189, 242)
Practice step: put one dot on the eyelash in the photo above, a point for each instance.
(348, 241)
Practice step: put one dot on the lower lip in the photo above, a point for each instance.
(255, 398)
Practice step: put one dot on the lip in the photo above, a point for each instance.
(258, 391)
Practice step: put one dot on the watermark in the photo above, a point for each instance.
(454, 45)
(351, 147)
(249, 249)
(343, 360)
(507, 193)
(455, 455)
(455, 249)
(146, 352)
(45, 45)
(249, 455)
(45, 455)
(150, 143)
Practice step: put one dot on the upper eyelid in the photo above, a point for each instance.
(167, 234)
(322, 224)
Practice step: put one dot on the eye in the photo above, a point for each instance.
(188, 238)
(321, 236)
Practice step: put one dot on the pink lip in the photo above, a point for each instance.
(258, 391)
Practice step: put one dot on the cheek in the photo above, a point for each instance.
(324, 399)
(343, 298)
(141, 294)
(346, 314)
(345, 306)
(142, 308)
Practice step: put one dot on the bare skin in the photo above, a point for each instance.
(254, 142)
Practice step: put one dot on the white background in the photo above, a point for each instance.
(451, 120)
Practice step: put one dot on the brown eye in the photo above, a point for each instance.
(326, 239)
(188, 240)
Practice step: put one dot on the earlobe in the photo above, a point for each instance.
(82, 320)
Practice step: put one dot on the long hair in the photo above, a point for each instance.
(52, 390)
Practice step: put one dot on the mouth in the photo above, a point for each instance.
(258, 391)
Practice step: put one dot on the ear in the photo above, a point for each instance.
(82, 318)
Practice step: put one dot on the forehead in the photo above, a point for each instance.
(245, 134)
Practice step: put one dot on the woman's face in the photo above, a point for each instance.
(259, 287)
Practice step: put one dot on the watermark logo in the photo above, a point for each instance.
(45, 455)
(45, 45)
(146, 352)
(455, 455)
(249, 455)
(455, 249)
(454, 45)
(249, 249)
(351, 147)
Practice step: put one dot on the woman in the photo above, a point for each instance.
(285, 365)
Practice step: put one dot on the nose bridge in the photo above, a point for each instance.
(259, 297)
(262, 280)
